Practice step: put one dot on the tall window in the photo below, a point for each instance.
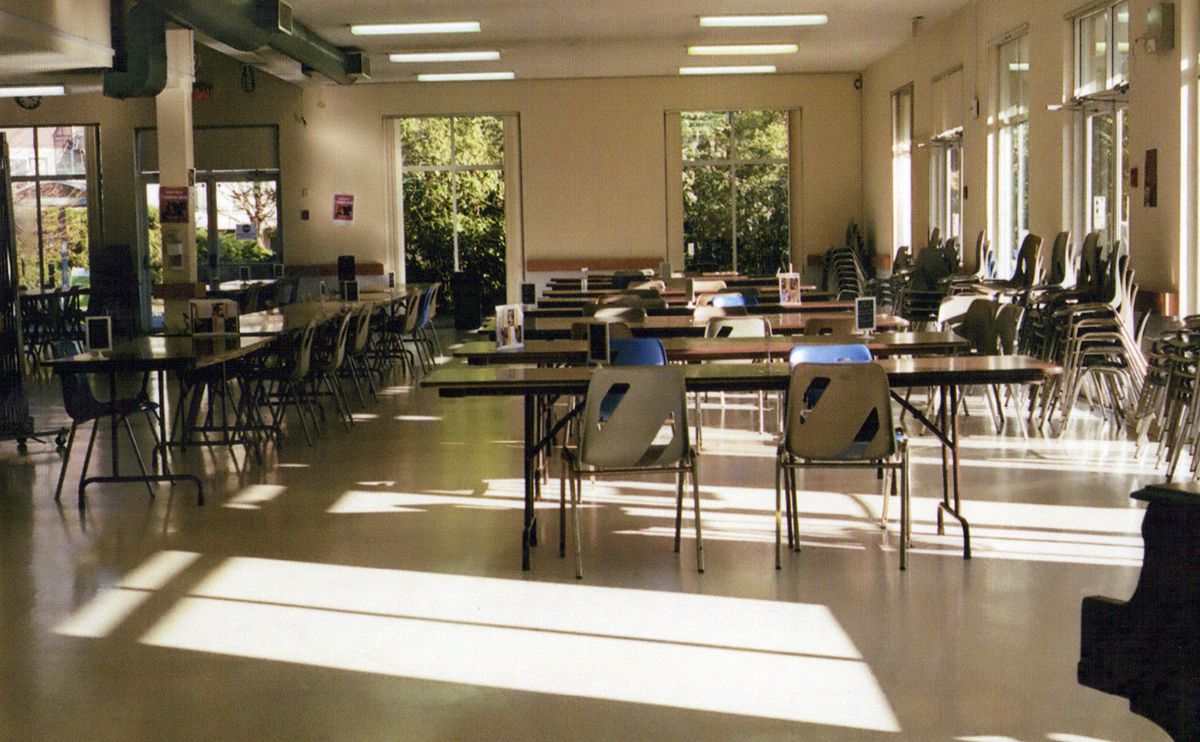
(237, 201)
(53, 202)
(454, 200)
(902, 144)
(1012, 171)
(735, 191)
(1101, 79)
(947, 206)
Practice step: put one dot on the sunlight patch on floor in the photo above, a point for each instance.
(593, 642)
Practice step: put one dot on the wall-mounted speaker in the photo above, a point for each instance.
(1160, 27)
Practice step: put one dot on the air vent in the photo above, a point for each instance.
(274, 16)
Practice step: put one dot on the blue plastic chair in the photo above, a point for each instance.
(637, 352)
(850, 353)
(631, 352)
(734, 300)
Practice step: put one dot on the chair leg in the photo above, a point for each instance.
(137, 452)
(794, 504)
(575, 495)
(779, 515)
(66, 459)
(696, 500)
(678, 511)
(562, 511)
(87, 458)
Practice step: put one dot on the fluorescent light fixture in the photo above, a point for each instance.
(742, 21)
(477, 56)
(1018, 66)
(750, 69)
(29, 91)
(465, 76)
(735, 49)
(383, 29)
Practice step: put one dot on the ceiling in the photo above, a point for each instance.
(618, 38)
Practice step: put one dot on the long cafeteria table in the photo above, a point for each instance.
(549, 328)
(947, 373)
(695, 349)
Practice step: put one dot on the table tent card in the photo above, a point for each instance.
(510, 326)
(214, 317)
(789, 288)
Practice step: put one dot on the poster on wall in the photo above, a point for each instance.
(343, 209)
(1151, 182)
(173, 205)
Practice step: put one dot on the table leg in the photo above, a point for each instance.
(950, 397)
(528, 535)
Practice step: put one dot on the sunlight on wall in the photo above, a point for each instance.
(766, 659)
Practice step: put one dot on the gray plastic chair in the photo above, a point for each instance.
(625, 442)
(839, 415)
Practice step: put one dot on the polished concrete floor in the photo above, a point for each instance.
(369, 588)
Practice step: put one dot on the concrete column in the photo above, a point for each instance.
(176, 167)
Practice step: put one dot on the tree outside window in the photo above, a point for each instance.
(736, 191)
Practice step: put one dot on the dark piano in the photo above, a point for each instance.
(1147, 649)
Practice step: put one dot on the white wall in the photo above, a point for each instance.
(592, 153)
(592, 158)
(1159, 244)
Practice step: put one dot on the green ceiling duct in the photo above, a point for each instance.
(245, 25)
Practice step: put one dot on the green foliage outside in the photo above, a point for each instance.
(742, 154)
(59, 225)
(430, 198)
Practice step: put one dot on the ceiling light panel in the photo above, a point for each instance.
(29, 91)
(750, 21)
(464, 56)
(752, 69)
(742, 49)
(385, 29)
(465, 76)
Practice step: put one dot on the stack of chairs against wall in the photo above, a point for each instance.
(1095, 338)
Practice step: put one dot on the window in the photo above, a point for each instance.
(947, 205)
(53, 204)
(1101, 79)
(902, 145)
(736, 191)
(453, 200)
(1012, 171)
(1102, 49)
(237, 201)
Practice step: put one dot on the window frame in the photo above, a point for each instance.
(91, 177)
(734, 161)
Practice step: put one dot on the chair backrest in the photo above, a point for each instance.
(953, 307)
(622, 314)
(730, 300)
(1060, 259)
(637, 351)
(337, 351)
(1029, 261)
(1008, 327)
(818, 325)
(707, 285)
(647, 399)
(847, 353)
(839, 411)
(903, 258)
(978, 326)
(935, 238)
(701, 315)
(81, 405)
(362, 332)
(1090, 276)
(302, 360)
(983, 256)
(930, 268)
(623, 278)
(738, 327)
